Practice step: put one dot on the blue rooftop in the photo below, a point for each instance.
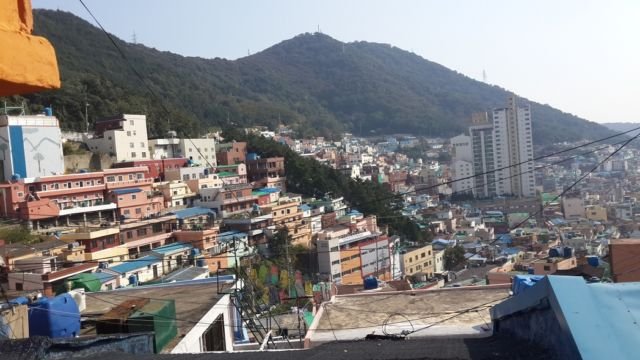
(590, 321)
(135, 264)
(305, 207)
(171, 248)
(126, 191)
(269, 190)
(104, 277)
(191, 212)
(229, 235)
(354, 212)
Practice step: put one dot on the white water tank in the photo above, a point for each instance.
(80, 298)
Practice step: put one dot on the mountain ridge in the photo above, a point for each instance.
(316, 84)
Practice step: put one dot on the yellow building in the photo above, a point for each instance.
(595, 213)
(418, 260)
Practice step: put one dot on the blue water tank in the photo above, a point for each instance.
(567, 252)
(133, 280)
(206, 172)
(48, 111)
(370, 283)
(252, 156)
(16, 177)
(593, 261)
(195, 252)
(56, 317)
(201, 263)
(553, 252)
(530, 271)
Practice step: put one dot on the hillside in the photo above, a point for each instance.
(312, 82)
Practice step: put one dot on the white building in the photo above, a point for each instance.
(200, 151)
(30, 146)
(462, 164)
(502, 151)
(483, 156)
(123, 136)
(514, 145)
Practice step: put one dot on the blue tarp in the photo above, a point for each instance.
(191, 212)
(523, 282)
(126, 191)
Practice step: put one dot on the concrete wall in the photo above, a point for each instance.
(73, 163)
(192, 341)
(539, 327)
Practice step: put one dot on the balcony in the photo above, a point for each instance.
(87, 209)
(68, 191)
(128, 183)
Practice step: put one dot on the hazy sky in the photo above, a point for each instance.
(577, 55)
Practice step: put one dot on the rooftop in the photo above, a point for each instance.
(126, 191)
(191, 212)
(135, 264)
(192, 298)
(171, 248)
(352, 317)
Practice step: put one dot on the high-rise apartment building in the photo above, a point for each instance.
(514, 150)
(482, 148)
(501, 151)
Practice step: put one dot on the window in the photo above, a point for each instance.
(139, 176)
(423, 255)
(138, 211)
(131, 122)
(131, 145)
(109, 179)
(144, 154)
(128, 133)
(547, 268)
(133, 154)
(142, 145)
(44, 187)
(126, 212)
(133, 196)
(141, 232)
(129, 234)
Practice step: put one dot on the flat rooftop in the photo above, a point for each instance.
(441, 312)
(193, 299)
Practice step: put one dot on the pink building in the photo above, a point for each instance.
(75, 197)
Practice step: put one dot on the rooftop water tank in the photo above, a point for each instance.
(553, 252)
(567, 252)
(56, 317)
(133, 280)
(593, 260)
(370, 283)
(48, 111)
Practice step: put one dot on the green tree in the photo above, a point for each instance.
(453, 257)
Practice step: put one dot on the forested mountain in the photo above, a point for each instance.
(314, 83)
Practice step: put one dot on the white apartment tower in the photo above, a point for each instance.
(502, 152)
(462, 164)
(514, 150)
(482, 149)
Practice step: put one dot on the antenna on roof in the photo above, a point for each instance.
(134, 38)
(319, 31)
(484, 76)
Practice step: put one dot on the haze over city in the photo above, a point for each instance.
(578, 56)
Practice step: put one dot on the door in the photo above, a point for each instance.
(155, 271)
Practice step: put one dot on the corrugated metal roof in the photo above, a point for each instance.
(191, 212)
(126, 191)
(171, 248)
(135, 264)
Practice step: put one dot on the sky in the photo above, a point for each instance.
(580, 56)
